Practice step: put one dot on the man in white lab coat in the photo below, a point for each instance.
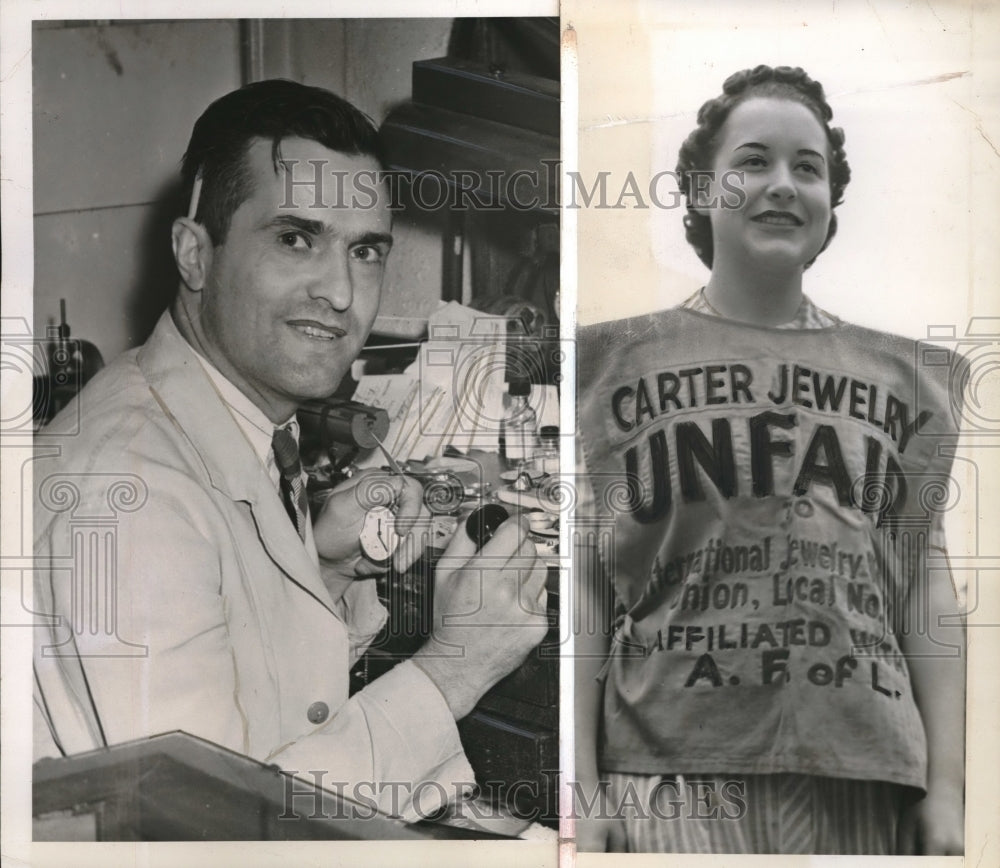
(183, 594)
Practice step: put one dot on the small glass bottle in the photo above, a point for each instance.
(519, 426)
(547, 457)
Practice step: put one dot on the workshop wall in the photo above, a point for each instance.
(114, 104)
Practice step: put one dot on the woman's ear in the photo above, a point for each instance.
(192, 251)
(701, 193)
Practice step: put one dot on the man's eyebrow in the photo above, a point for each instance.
(373, 238)
(288, 221)
(317, 227)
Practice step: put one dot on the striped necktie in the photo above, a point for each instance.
(293, 492)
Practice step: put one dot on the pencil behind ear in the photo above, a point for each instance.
(195, 197)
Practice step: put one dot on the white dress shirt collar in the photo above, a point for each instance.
(258, 430)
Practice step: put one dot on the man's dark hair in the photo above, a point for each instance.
(271, 110)
(698, 151)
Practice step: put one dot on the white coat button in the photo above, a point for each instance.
(318, 712)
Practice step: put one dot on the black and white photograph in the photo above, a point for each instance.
(784, 555)
(294, 569)
(543, 432)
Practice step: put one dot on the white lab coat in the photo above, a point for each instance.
(185, 599)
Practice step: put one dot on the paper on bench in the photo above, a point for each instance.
(451, 395)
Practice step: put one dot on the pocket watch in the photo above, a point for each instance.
(378, 535)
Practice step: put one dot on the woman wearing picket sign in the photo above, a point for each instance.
(768, 482)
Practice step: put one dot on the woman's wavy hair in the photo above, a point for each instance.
(698, 151)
